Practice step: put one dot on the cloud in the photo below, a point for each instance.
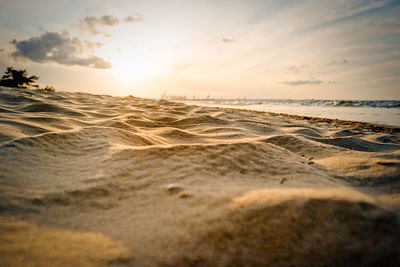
(295, 69)
(342, 62)
(227, 40)
(92, 23)
(312, 81)
(59, 48)
(130, 19)
(326, 13)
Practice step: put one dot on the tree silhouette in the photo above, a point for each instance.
(17, 78)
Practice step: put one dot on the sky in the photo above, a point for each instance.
(300, 49)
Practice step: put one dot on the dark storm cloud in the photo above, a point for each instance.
(312, 81)
(92, 23)
(59, 48)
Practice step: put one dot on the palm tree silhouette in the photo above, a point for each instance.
(17, 78)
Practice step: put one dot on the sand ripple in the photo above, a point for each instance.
(159, 183)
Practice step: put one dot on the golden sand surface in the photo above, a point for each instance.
(94, 180)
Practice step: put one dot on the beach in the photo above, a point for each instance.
(97, 180)
(372, 111)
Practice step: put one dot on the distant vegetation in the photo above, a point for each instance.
(17, 78)
(20, 79)
(48, 88)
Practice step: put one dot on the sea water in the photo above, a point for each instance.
(385, 112)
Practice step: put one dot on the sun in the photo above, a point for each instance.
(131, 65)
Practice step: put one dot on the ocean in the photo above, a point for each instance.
(385, 112)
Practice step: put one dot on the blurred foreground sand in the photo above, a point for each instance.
(88, 180)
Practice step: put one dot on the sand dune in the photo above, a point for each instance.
(139, 182)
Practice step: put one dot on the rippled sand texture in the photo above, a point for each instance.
(89, 180)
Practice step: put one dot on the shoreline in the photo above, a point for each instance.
(373, 115)
(365, 125)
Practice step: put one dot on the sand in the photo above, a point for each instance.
(93, 180)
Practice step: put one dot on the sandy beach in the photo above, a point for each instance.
(95, 180)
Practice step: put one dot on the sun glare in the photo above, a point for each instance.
(135, 65)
